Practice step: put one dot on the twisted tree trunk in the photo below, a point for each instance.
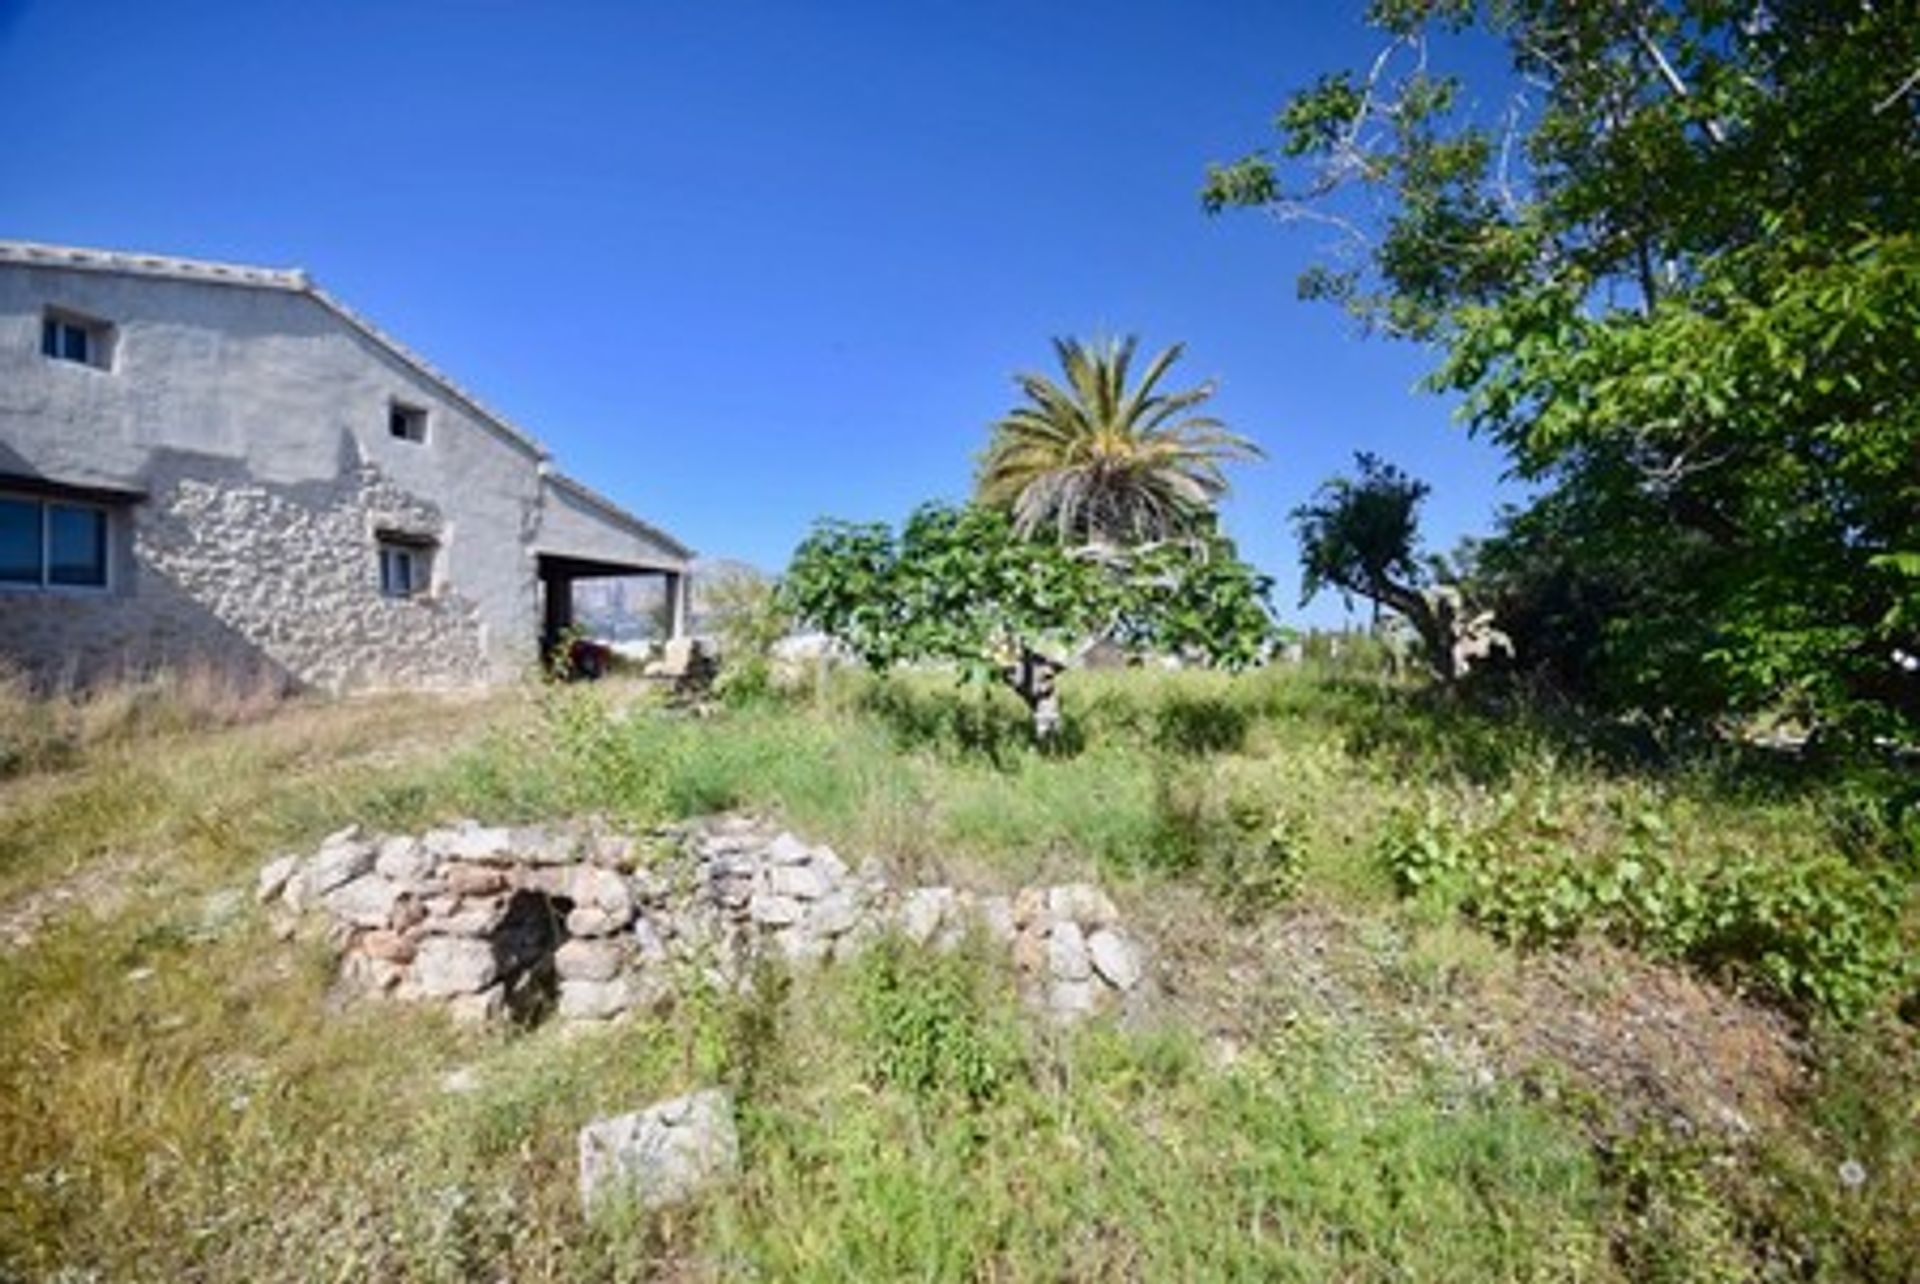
(1035, 679)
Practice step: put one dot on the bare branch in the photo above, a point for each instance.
(1301, 212)
(1672, 77)
(1905, 87)
(1503, 176)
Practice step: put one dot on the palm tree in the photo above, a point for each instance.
(1103, 463)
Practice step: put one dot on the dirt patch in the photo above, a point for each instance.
(1653, 1043)
(1635, 1040)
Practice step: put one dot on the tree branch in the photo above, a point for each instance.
(1672, 77)
(1905, 87)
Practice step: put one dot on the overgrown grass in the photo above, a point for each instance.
(180, 1099)
(47, 729)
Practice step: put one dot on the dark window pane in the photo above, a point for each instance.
(73, 343)
(19, 541)
(77, 545)
(408, 423)
(396, 572)
(50, 337)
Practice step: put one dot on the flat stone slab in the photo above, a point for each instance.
(661, 1156)
(366, 901)
(1115, 958)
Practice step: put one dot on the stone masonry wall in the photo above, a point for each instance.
(587, 920)
(220, 568)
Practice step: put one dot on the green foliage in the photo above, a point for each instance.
(1266, 867)
(1191, 725)
(930, 1027)
(748, 618)
(219, 1118)
(1362, 536)
(956, 585)
(1678, 1228)
(1820, 934)
(980, 721)
(1677, 281)
(1099, 461)
(959, 585)
(602, 763)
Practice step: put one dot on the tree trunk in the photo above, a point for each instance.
(1432, 621)
(1034, 678)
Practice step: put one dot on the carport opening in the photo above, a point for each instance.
(591, 611)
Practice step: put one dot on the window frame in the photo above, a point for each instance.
(419, 554)
(57, 324)
(44, 506)
(411, 420)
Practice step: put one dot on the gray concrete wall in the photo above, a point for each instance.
(256, 420)
(573, 524)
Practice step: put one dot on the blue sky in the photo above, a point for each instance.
(743, 265)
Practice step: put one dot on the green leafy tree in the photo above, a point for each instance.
(1361, 535)
(958, 584)
(1676, 277)
(1096, 460)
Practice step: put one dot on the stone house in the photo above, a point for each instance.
(203, 462)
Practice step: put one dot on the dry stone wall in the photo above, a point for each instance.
(220, 568)
(298, 578)
(582, 920)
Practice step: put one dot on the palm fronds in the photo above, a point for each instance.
(1100, 461)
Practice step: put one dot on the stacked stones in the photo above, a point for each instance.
(800, 902)
(477, 916)
(493, 920)
(1071, 951)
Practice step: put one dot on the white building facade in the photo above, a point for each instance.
(217, 464)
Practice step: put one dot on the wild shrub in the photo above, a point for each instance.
(1200, 724)
(1675, 1227)
(1819, 934)
(606, 761)
(748, 618)
(929, 1027)
(1265, 868)
(938, 713)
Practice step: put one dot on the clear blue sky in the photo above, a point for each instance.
(742, 265)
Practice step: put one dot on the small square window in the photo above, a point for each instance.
(65, 336)
(407, 423)
(406, 568)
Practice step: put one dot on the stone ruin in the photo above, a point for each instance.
(581, 920)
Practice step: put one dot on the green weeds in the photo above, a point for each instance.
(1812, 929)
(178, 1099)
